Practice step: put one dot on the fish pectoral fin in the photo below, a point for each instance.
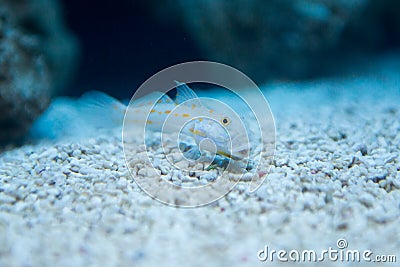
(193, 153)
(190, 151)
(184, 94)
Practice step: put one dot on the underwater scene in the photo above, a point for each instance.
(199, 133)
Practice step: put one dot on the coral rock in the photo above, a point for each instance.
(37, 56)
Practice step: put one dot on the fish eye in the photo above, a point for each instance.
(225, 121)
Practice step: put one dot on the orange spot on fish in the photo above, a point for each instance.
(152, 111)
(176, 114)
(211, 111)
(167, 111)
(149, 122)
(160, 112)
(200, 119)
(185, 115)
(193, 106)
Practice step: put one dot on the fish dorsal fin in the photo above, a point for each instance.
(184, 93)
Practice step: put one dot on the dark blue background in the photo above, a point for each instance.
(123, 43)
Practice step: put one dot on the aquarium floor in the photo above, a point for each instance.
(336, 175)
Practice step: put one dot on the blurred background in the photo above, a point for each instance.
(50, 48)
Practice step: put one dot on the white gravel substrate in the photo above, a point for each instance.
(336, 174)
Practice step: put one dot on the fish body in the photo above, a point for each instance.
(199, 118)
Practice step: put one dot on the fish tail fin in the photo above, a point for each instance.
(60, 119)
(70, 118)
